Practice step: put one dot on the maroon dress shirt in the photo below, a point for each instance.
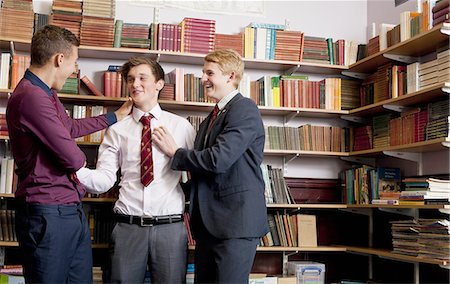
(42, 143)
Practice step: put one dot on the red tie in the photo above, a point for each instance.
(213, 116)
(146, 151)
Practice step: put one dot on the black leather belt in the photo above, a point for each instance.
(149, 221)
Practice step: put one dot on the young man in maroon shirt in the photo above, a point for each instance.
(50, 223)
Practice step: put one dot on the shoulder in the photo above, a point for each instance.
(123, 124)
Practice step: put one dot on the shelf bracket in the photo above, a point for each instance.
(360, 211)
(357, 75)
(356, 119)
(158, 57)
(398, 108)
(445, 29)
(360, 160)
(286, 260)
(410, 156)
(401, 58)
(292, 70)
(291, 116)
(293, 157)
(410, 212)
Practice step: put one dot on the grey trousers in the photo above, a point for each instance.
(162, 247)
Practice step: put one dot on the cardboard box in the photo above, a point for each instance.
(307, 271)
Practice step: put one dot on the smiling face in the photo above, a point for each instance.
(143, 87)
(217, 84)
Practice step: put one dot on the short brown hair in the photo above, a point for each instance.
(229, 61)
(50, 40)
(157, 70)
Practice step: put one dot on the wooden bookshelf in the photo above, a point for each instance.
(418, 147)
(91, 99)
(8, 244)
(426, 206)
(418, 45)
(395, 256)
(6, 195)
(99, 199)
(305, 206)
(422, 96)
(270, 152)
(302, 249)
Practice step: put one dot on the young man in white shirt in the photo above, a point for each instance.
(149, 229)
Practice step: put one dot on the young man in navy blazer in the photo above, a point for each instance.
(228, 210)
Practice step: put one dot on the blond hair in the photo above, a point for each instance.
(228, 61)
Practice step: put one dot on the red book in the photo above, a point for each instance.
(91, 87)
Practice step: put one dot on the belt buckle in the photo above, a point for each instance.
(144, 224)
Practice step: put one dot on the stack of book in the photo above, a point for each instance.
(13, 12)
(197, 35)
(443, 66)
(133, 35)
(438, 125)
(67, 14)
(223, 41)
(441, 12)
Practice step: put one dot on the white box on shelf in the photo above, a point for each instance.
(307, 271)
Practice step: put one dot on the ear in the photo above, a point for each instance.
(59, 58)
(231, 76)
(159, 85)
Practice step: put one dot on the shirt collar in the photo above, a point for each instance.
(30, 76)
(155, 111)
(223, 102)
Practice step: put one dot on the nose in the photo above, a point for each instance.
(135, 83)
(204, 78)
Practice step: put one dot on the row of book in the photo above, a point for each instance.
(411, 23)
(7, 225)
(290, 230)
(425, 238)
(84, 111)
(415, 125)
(308, 138)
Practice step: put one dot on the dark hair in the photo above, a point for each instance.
(157, 70)
(50, 40)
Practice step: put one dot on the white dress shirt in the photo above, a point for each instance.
(121, 149)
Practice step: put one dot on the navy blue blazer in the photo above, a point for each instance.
(226, 173)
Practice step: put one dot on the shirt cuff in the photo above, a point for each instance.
(111, 117)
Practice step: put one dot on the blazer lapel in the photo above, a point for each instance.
(216, 128)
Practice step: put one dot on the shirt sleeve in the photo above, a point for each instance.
(38, 115)
(104, 176)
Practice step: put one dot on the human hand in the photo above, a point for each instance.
(124, 110)
(164, 141)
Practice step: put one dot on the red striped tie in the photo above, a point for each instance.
(146, 151)
(213, 116)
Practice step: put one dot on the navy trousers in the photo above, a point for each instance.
(55, 242)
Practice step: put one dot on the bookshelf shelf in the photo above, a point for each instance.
(419, 147)
(395, 256)
(99, 199)
(91, 99)
(362, 206)
(423, 96)
(100, 246)
(4, 137)
(418, 45)
(8, 244)
(7, 195)
(306, 206)
(5, 91)
(304, 153)
(302, 249)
